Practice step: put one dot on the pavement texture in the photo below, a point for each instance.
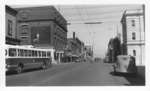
(73, 74)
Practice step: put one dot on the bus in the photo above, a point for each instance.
(19, 58)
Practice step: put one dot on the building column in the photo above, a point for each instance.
(52, 56)
(59, 57)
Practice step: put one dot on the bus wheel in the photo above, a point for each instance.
(19, 69)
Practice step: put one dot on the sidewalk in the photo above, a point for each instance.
(141, 71)
(133, 80)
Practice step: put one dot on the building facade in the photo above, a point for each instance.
(133, 31)
(88, 50)
(75, 47)
(43, 27)
(11, 27)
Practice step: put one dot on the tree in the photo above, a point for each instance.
(116, 48)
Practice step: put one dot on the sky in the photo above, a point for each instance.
(96, 35)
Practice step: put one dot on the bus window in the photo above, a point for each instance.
(39, 53)
(21, 52)
(48, 54)
(6, 53)
(25, 53)
(18, 52)
(36, 53)
(43, 54)
(12, 52)
(30, 53)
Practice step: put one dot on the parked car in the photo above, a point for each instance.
(125, 64)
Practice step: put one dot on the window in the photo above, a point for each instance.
(12, 52)
(30, 53)
(43, 54)
(34, 53)
(134, 52)
(48, 54)
(133, 36)
(25, 53)
(39, 53)
(6, 53)
(10, 29)
(133, 23)
(24, 29)
(22, 52)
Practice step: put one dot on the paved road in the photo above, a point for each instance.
(72, 74)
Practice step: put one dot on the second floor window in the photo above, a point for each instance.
(10, 27)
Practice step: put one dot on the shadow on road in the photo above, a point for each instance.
(24, 71)
(133, 79)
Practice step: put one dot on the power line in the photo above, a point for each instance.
(83, 23)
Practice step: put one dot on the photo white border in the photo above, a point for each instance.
(72, 2)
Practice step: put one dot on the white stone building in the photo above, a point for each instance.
(133, 33)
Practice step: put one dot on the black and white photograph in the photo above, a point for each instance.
(74, 44)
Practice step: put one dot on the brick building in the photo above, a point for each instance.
(43, 27)
(74, 47)
(11, 29)
(88, 50)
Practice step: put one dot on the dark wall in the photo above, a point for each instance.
(44, 35)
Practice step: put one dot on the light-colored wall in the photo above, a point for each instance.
(139, 43)
(140, 52)
(13, 19)
(138, 28)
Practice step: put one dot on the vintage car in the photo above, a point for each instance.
(125, 64)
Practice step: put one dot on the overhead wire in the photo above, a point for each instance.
(91, 30)
(82, 19)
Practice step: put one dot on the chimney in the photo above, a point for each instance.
(74, 35)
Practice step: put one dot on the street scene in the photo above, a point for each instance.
(75, 45)
(73, 74)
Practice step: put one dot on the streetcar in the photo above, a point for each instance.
(19, 58)
(125, 64)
